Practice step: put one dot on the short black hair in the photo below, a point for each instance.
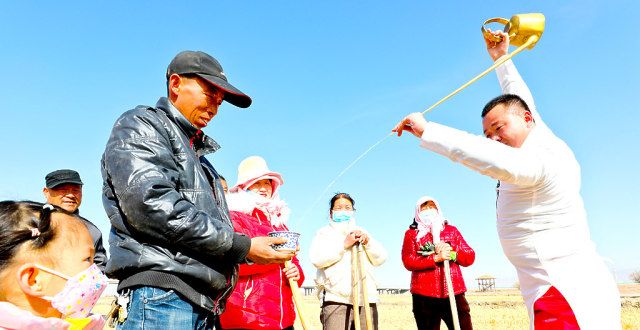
(341, 195)
(185, 75)
(507, 99)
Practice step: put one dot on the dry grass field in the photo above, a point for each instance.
(501, 309)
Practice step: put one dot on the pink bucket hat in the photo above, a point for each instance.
(253, 169)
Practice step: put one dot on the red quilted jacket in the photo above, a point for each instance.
(427, 277)
(262, 297)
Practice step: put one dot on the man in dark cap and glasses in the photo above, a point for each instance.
(63, 188)
(172, 243)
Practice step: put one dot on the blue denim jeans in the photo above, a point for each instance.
(156, 308)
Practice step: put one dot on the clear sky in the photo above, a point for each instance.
(328, 80)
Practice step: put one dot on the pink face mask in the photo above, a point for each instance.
(80, 293)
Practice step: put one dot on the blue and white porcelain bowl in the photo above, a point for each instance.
(290, 245)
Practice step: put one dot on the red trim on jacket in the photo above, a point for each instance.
(427, 277)
(261, 289)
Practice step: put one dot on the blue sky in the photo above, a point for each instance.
(328, 80)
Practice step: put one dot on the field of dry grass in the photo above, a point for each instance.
(502, 309)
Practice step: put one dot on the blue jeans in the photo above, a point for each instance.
(156, 308)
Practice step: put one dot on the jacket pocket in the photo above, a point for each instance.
(153, 295)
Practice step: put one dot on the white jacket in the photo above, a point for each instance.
(333, 261)
(541, 219)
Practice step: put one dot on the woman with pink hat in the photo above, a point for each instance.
(262, 298)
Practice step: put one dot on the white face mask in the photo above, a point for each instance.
(428, 215)
(342, 216)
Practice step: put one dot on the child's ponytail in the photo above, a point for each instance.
(24, 222)
(42, 232)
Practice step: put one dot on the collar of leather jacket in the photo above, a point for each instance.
(206, 146)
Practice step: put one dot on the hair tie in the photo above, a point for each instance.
(48, 206)
(35, 232)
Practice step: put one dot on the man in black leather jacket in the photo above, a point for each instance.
(172, 244)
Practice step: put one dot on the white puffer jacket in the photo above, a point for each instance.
(333, 261)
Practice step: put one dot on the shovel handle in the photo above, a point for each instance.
(365, 291)
(355, 289)
(297, 300)
(452, 297)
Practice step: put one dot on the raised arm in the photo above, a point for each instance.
(508, 76)
(485, 156)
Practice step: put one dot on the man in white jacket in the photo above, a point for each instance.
(541, 219)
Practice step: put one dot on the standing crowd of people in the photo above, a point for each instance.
(189, 251)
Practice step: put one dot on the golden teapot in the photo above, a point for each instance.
(520, 28)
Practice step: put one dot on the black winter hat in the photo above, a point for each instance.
(59, 177)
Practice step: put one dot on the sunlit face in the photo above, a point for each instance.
(196, 99)
(262, 187)
(24, 282)
(342, 204)
(507, 126)
(428, 205)
(66, 196)
(72, 249)
(225, 186)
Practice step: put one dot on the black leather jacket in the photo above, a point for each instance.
(170, 226)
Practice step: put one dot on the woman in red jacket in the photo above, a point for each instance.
(262, 298)
(425, 261)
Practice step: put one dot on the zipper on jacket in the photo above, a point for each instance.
(247, 291)
(216, 302)
(281, 304)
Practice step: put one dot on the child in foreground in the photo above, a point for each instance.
(47, 276)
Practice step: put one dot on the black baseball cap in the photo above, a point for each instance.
(206, 67)
(59, 177)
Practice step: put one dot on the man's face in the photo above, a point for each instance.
(196, 99)
(225, 186)
(67, 196)
(509, 126)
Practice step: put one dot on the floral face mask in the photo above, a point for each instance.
(80, 293)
